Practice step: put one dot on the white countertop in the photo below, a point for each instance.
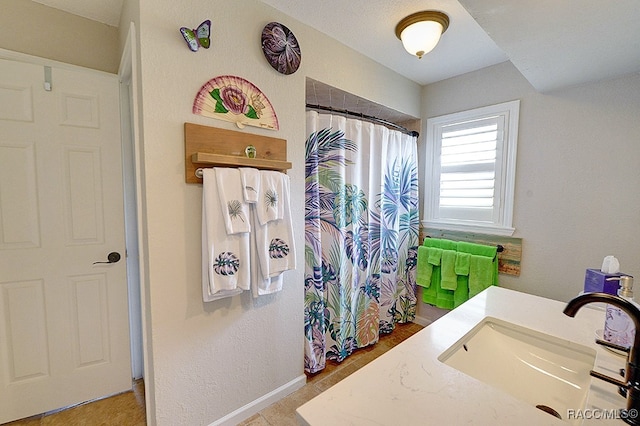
(409, 386)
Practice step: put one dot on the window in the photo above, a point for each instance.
(470, 170)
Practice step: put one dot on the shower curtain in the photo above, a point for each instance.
(361, 235)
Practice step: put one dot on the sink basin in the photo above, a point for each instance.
(545, 371)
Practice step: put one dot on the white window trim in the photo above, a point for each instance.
(503, 225)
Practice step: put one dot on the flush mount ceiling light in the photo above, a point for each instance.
(421, 31)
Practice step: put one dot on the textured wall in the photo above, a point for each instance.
(577, 174)
(211, 359)
(38, 30)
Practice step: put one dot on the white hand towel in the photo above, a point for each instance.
(259, 285)
(235, 212)
(270, 206)
(250, 184)
(225, 258)
(274, 240)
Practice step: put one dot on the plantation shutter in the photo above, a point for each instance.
(471, 169)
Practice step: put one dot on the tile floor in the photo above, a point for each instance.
(128, 409)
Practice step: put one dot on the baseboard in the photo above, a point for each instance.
(422, 321)
(257, 405)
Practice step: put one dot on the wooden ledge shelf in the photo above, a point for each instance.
(237, 161)
(206, 146)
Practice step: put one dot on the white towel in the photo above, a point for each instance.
(225, 258)
(259, 285)
(250, 179)
(270, 205)
(235, 212)
(274, 240)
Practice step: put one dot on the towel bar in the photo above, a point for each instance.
(199, 172)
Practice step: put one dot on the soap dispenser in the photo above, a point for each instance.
(618, 327)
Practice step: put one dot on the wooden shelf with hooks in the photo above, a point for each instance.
(211, 146)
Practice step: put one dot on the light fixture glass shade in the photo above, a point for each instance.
(421, 31)
(420, 38)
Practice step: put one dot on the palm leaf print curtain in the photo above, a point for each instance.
(361, 235)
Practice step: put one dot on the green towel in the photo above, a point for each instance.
(459, 270)
(434, 255)
(444, 298)
(448, 290)
(482, 250)
(449, 277)
(462, 264)
(480, 274)
(432, 242)
(440, 243)
(435, 294)
(430, 294)
(461, 293)
(448, 245)
(483, 266)
(477, 249)
(424, 269)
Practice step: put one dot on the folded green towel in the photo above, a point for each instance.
(461, 293)
(430, 294)
(424, 269)
(481, 274)
(449, 277)
(434, 255)
(444, 298)
(462, 264)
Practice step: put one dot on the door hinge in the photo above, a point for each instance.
(47, 79)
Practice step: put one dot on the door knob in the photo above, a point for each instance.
(112, 257)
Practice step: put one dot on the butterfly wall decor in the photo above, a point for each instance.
(198, 37)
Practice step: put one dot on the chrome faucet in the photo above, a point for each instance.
(631, 383)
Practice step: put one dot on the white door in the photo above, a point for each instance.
(64, 330)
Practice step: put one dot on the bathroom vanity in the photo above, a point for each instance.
(421, 381)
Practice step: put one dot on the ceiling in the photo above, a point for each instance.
(554, 43)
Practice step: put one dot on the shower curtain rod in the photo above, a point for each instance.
(366, 117)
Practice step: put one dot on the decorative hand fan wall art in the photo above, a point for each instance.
(234, 99)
